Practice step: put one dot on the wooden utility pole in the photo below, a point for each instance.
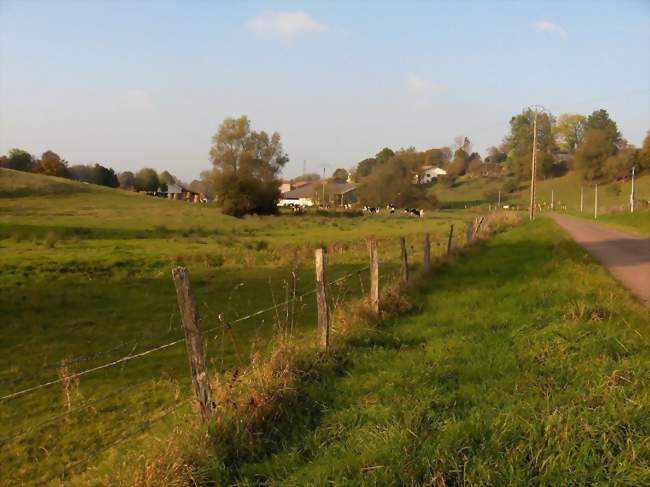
(451, 234)
(426, 260)
(193, 341)
(531, 213)
(596, 202)
(499, 199)
(374, 275)
(321, 302)
(405, 264)
(632, 193)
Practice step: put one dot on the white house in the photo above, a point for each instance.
(426, 174)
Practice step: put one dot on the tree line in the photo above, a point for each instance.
(51, 164)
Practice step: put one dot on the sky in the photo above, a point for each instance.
(132, 84)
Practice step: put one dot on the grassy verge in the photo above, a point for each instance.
(637, 223)
(527, 365)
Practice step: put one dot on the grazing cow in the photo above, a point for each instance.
(371, 209)
(414, 212)
(391, 208)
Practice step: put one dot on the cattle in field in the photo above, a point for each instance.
(414, 212)
(371, 209)
(391, 209)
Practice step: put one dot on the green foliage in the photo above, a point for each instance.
(570, 129)
(365, 167)
(246, 164)
(619, 166)
(146, 179)
(600, 120)
(438, 157)
(644, 154)
(510, 185)
(459, 164)
(392, 183)
(18, 160)
(340, 175)
(519, 144)
(592, 154)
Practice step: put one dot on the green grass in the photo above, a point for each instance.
(86, 274)
(527, 365)
(614, 196)
(637, 223)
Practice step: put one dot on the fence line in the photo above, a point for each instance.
(128, 358)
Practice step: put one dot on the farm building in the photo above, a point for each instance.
(426, 174)
(335, 193)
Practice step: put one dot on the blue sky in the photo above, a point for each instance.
(146, 83)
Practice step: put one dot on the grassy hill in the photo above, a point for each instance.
(471, 191)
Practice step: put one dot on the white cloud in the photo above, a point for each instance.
(284, 24)
(546, 26)
(421, 86)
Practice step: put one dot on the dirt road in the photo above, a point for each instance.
(626, 256)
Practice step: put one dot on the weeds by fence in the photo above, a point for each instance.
(210, 397)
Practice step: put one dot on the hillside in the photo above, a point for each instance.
(471, 191)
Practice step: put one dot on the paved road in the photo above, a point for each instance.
(626, 256)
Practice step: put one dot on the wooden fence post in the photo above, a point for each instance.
(470, 232)
(451, 234)
(477, 230)
(321, 302)
(374, 275)
(405, 264)
(193, 341)
(426, 262)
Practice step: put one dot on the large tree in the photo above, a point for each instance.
(19, 160)
(570, 129)
(246, 165)
(519, 145)
(126, 179)
(340, 175)
(51, 164)
(392, 183)
(146, 179)
(644, 153)
(602, 141)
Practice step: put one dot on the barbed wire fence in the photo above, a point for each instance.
(196, 347)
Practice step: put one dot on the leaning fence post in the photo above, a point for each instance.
(193, 341)
(321, 301)
(405, 264)
(374, 275)
(451, 234)
(426, 263)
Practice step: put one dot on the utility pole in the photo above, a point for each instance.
(596, 203)
(323, 187)
(531, 213)
(582, 196)
(632, 193)
(552, 199)
(499, 199)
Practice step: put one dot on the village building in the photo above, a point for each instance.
(312, 193)
(428, 173)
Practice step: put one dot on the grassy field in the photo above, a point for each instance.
(86, 277)
(637, 223)
(527, 365)
(471, 191)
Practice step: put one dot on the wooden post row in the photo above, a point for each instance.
(374, 275)
(451, 234)
(405, 264)
(426, 262)
(193, 341)
(321, 302)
